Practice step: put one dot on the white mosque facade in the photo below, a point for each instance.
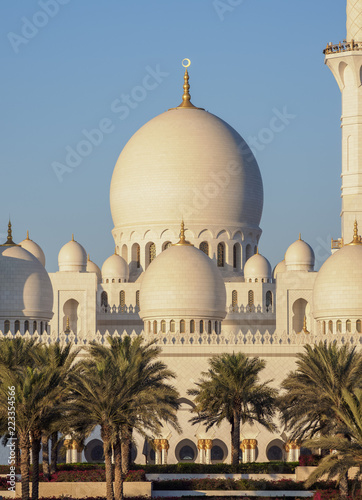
(204, 289)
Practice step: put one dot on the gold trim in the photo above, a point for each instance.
(182, 237)
(9, 242)
(357, 240)
(186, 97)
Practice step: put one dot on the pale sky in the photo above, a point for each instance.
(66, 62)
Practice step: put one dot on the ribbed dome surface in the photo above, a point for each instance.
(299, 257)
(186, 162)
(257, 267)
(182, 282)
(25, 287)
(115, 267)
(337, 290)
(33, 248)
(72, 257)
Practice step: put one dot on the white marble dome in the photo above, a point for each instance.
(33, 248)
(115, 267)
(299, 256)
(186, 163)
(182, 283)
(337, 292)
(257, 268)
(93, 268)
(279, 268)
(72, 257)
(25, 287)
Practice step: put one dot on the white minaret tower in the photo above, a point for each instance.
(345, 62)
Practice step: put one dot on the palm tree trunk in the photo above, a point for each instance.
(54, 452)
(126, 446)
(35, 451)
(118, 468)
(45, 453)
(107, 450)
(24, 444)
(235, 438)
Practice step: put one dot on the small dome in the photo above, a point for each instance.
(299, 256)
(279, 268)
(257, 268)
(337, 288)
(115, 267)
(25, 287)
(182, 283)
(72, 257)
(93, 268)
(33, 248)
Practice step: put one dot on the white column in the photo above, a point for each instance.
(164, 451)
(208, 446)
(201, 448)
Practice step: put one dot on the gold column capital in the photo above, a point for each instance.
(208, 444)
(201, 444)
(164, 444)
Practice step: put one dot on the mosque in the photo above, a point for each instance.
(186, 200)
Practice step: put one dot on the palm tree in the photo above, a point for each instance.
(121, 387)
(346, 446)
(314, 391)
(231, 390)
(315, 388)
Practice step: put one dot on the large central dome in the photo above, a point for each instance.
(187, 163)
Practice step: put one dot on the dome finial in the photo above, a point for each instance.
(357, 240)
(257, 250)
(186, 98)
(115, 249)
(88, 259)
(300, 236)
(182, 236)
(27, 234)
(9, 241)
(72, 236)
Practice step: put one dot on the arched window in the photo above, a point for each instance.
(348, 326)
(138, 256)
(339, 326)
(122, 300)
(323, 327)
(125, 252)
(104, 299)
(163, 326)
(182, 326)
(155, 327)
(6, 326)
(172, 326)
(46, 327)
(166, 245)
(26, 326)
(220, 255)
(17, 326)
(237, 256)
(138, 299)
(269, 300)
(248, 252)
(151, 252)
(201, 326)
(330, 326)
(204, 247)
(35, 326)
(209, 327)
(234, 300)
(216, 327)
(192, 326)
(149, 326)
(41, 328)
(113, 280)
(358, 326)
(300, 310)
(250, 298)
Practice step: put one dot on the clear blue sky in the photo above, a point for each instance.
(248, 57)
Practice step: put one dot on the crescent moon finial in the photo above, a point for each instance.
(186, 62)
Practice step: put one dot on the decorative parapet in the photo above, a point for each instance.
(336, 244)
(118, 309)
(195, 339)
(342, 47)
(249, 309)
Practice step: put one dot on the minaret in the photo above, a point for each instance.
(345, 62)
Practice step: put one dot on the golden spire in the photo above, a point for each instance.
(72, 236)
(27, 234)
(88, 258)
(300, 236)
(67, 327)
(357, 240)
(257, 250)
(182, 237)
(186, 97)
(115, 249)
(9, 241)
